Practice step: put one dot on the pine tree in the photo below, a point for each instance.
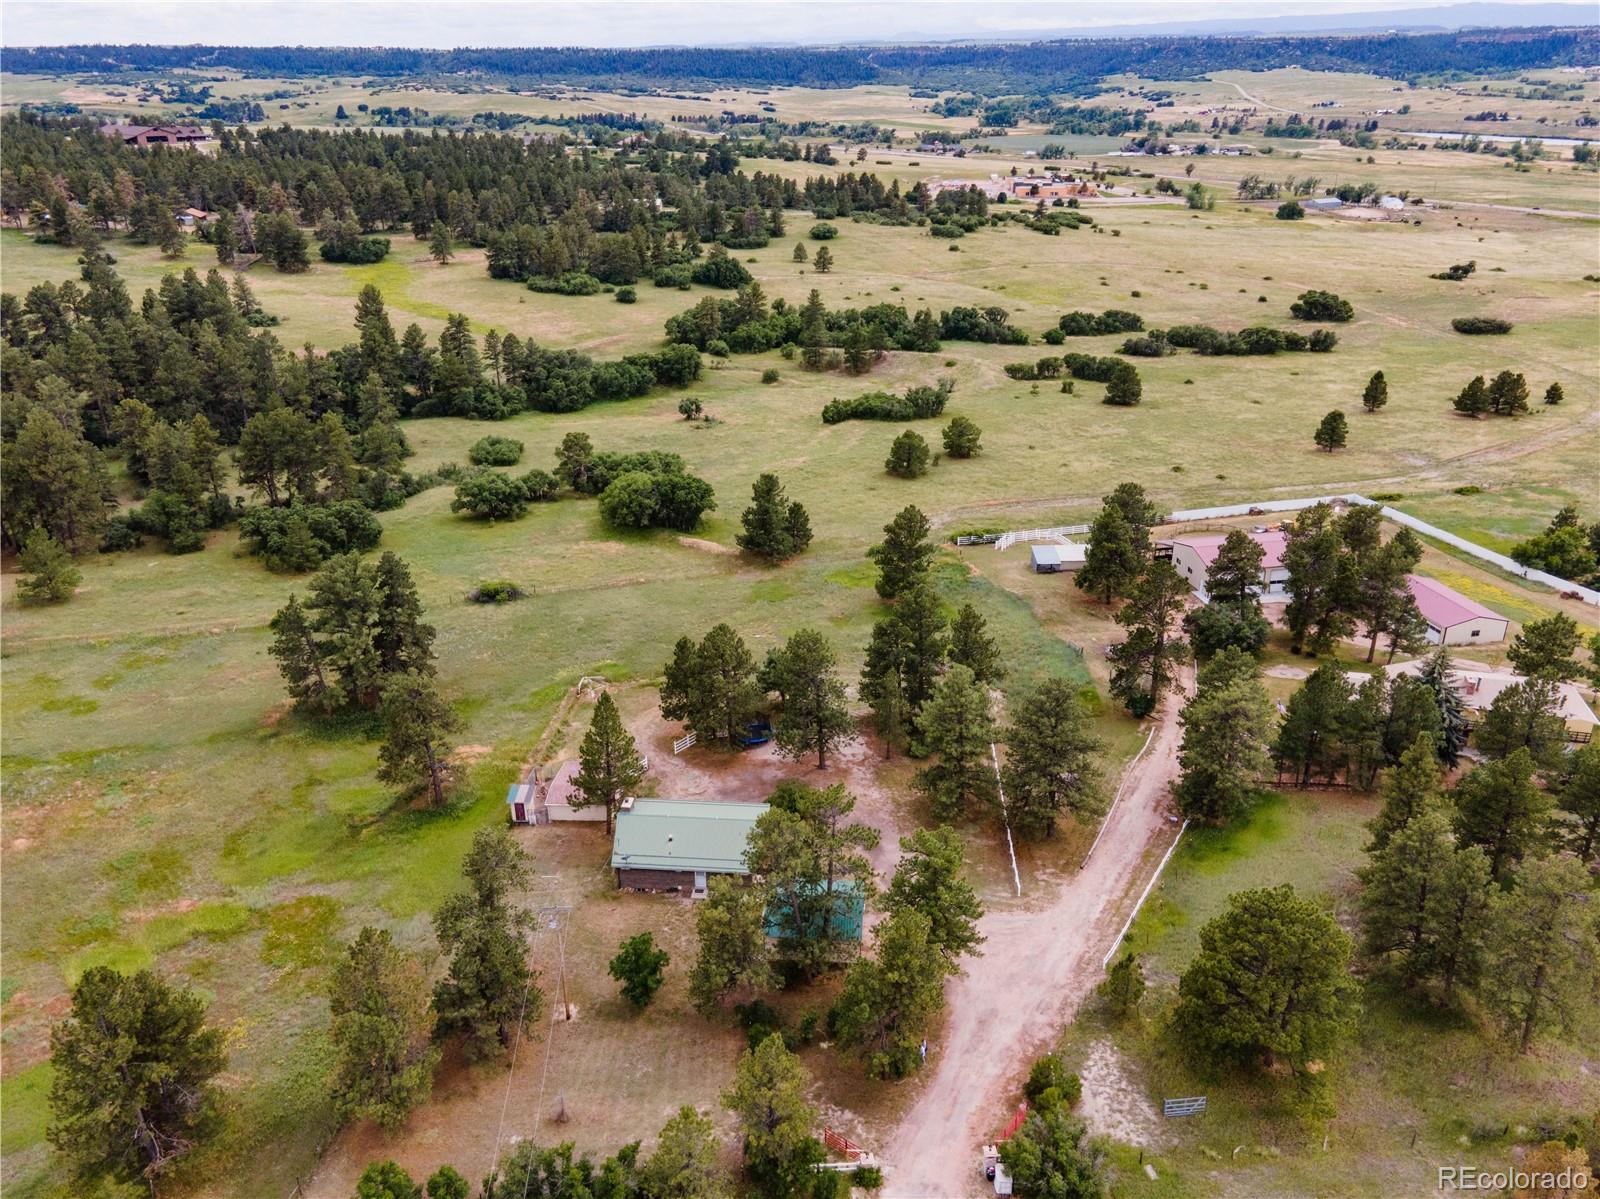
(956, 723)
(687, 1162)
(610, 768)
(1544, 951)
(730, 927)
(52, 578)
(1474, 398)
(972, 647)
(961, 437)
(1397, 887)
(774, 527)
(1227, 730)
(904, 555)
(489, 990)
(1501, 807)
(1145, 664)
(1376, 394)
(1453, 721)
(1547, 648)
(1123, 987)
(1271, 981)
(889, 1000)
(928, 879)
(1332, 432)
(382, 1031)
(822, 260)
(799, 254)
(908, 455)
(814, 716)
(132, 1090)
(1578, 797)
(439, 246)
(417, 725)
(768, 1100)
(1113, 561)
(1411, 787)
(1050, 766)
(1508, 394)
(299, 657)
(1553, 394)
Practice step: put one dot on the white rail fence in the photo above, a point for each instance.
(1007, 540)
(685, 742)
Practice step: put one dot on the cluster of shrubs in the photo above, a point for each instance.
(1321, 306)
(918, 403)
(1089, 324)
(1480, 325)
(1052, 221)
(492, 495)
(1456, 272)
(563, 381)
(1203, 339)
(1123, 386)
(496, 591)
(573, 283)
(301, 537)
(342, 242)
(495, 451)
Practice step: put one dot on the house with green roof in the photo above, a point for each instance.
(678, 844)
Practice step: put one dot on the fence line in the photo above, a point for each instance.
(1007, 540)
(685, 742)
(1005, 816)
(1148, 887)
(1127, 773)
(1510, 565)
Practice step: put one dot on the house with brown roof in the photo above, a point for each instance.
(157, 135)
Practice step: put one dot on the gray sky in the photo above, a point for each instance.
(442, 23)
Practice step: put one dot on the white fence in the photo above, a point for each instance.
(1007, 540)
(684, 742)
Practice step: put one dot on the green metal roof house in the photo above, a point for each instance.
(844, 921)
(676, 844)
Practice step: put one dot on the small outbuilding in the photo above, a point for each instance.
(1055, 557)
(559, 793)
(1454, 619)
(845, 921)
(678, 844)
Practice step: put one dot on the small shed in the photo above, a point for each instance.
(845, 922)
(1052, 557)
(1324, 203)
(678, 844)
(560, 791)
(1046, 559)
(520, 802)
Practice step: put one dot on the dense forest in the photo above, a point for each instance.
(1002, 68)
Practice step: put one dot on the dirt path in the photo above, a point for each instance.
(1037, 966)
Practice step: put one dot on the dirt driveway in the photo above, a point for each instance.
(1037, 967)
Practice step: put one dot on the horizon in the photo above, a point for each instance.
(629, 24)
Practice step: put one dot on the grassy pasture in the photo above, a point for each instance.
(162, 807)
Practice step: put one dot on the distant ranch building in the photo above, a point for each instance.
(1193, 555)
(1051, 558)
(157, 135)
(1479, 686)
(678, 844)
(1452, 618)
(1022, 187)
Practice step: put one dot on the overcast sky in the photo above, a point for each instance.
(443, 23)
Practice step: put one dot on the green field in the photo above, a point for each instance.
(162, 806)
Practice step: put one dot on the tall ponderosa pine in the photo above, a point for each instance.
(382, 1031)
(814, 718)
(1114, 560)
(1050, 767)
(904, 555)
(1411, 787)
(768, 1101)
(1145, 664)
(1232, 615)
(1578, 797)
(711, 687)
(1332, 432)
(417, 724)
(609, 766)
(928, 879)
(1227, 731)
(1376, 394)
(972, 647)
(489, 989)
(734, 955)
(956, 723)
(889, 1000)
(775, 528)
(1501, 807)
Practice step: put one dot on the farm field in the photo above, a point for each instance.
(165, 806)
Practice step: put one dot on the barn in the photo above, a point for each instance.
(678, 844)
(1193, 555)
(1452, 618)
